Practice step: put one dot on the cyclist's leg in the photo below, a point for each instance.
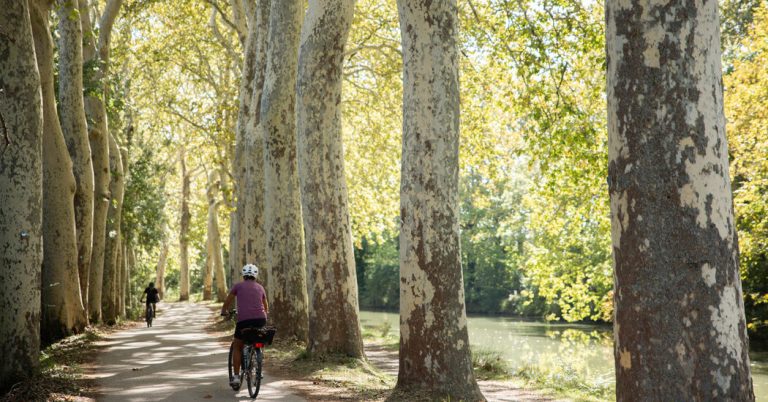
(237, 355)
(154, 310)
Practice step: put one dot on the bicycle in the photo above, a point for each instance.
(149, 314)
(255, 340)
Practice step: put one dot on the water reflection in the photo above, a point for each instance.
(586, 350)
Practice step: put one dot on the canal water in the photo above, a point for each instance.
(584, 348)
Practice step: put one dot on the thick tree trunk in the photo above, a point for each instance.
(75, 129)
(330, 256)
(112, 274)
(21, 196)
(213, 260)
(184, 232)
(62, 305)
(679, 326)
(434, 343)
(282, 216)
(255, 240)
(160, 271)
(98, 133)
(244, 115)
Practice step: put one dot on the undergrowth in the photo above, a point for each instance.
(59, 377)
(565, 380)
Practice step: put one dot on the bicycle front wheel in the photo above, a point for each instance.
(254, 372)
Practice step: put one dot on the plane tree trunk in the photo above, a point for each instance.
(213, 262)
(330, 255)
(112, 275)
(62, 305)
(98, 134)
(282, 216)
(186, 217)
(21, 196)
(434, 343)
(160, 270)
(75, 129)
(679, 328)
(255, 240)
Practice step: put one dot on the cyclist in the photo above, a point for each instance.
(252, 310)
(152, 298)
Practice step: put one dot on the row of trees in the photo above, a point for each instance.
(304, 186)
(64, 212)
(644, 225)
(540, 249)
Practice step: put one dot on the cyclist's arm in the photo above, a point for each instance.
(266, 305)
(227, 302)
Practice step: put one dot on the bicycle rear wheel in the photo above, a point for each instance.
(254, 372)
(229, 366)
(149, 313)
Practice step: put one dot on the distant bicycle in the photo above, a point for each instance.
(255, 340)
(149, 314)
(152, 298)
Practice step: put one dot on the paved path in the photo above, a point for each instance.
(175, 360)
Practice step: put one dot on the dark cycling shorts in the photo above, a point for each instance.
(255, 323)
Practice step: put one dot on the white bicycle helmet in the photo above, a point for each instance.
(250, 270)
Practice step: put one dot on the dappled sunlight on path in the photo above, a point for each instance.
(175, 360)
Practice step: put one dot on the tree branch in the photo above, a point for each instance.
(216, 7)
(222, 40)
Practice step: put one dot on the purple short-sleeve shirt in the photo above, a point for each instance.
(249, 300)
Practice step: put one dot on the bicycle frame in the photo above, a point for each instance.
(252, 353)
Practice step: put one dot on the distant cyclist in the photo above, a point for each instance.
(252, 312)
(152, 298)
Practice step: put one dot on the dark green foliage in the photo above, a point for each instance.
(492, 238)
(378, 273)
(144, 202)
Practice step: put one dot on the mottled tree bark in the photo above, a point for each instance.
(245, 113)
(160, 270)
(111, 291)
(434, 343)
(21, 195)
(679, 329)
(98, 134)
(186, 217)
(75, 129)
(62, 306)
(213, 260)
(282, 208)
(255, 240)
(330, 256)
